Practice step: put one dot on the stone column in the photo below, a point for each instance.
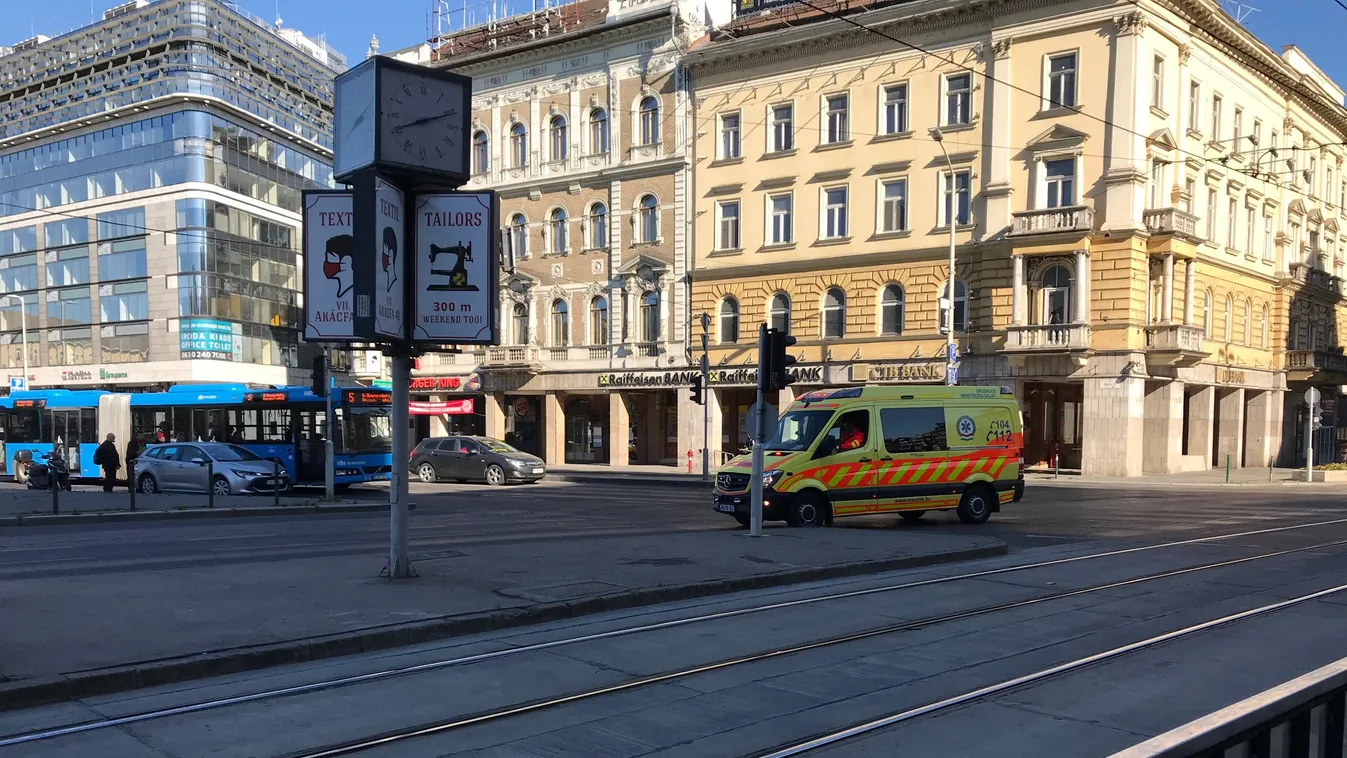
(619, 429)
(714, 422)
(1124, 180)
(1189, 282)
(1201, 422)
(1167, 306)
(493, 407)
(554, 430)
(690, 429)
(438, 427)
(1113, 427)
(999, 123)
(1163, 440)
(1082, 292)
(1017, 290)
(1258, 424)
(1230, 431)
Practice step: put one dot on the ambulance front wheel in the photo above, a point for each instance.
(976, 505)
(807, 509)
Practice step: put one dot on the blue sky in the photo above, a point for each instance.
(1315, 25)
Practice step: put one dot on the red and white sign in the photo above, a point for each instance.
(446, 408)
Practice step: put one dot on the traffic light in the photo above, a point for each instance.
(696, 392)
(778, 361)
(319, 382)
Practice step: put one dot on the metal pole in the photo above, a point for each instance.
(755, 484)
(1309, 442)
(1227, 468)
(276, 483)
(399, 561)
(329, 464)
(210, 484)
(23, 333)
(706, 397)
(951, 217)
(52, 481)
(131, 480)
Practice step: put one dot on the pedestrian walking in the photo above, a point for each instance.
(133, 450)
(107, 458)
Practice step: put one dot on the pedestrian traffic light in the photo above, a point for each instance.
(696, 393)
(319, 382)
(778, 360)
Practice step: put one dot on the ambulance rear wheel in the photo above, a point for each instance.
(912, 517)
(807, 509)
(976, 505)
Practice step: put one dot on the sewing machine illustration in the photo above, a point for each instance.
(458, 275)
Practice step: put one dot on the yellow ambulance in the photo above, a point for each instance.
(905, 450)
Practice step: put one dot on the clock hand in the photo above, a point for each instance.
(428, 119)
(361, 118)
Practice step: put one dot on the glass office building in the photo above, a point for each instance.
(151, 168)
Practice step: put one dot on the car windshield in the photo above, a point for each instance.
(797, 430)
(231, 453)
(496, 446)
(365, 430)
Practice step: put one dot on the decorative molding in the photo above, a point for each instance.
(1001, 48)
(1131, 23)
(1185, 52)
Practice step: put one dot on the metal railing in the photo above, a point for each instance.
(1075, 218)
(1048, 337)
(1174, 337)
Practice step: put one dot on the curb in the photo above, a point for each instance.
(61, 688)
(115, 517)
(690, 481)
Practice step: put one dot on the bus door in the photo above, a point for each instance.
(76, 430)
(265, 425)
(311, 434)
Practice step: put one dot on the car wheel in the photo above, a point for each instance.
(220, 486)
(807, 509)
(976, 505)
(495, 475)
(426, 473)
(912, 517)
(744, 520)
(147, 484)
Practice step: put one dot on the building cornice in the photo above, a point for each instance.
(561, 46)
(664, 166)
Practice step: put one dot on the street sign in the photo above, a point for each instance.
(457, 262)
(952, 373)
(18, 383)
(329, 267)
(752, 420)
(381, 280)
(1312, 396)
(952, 353)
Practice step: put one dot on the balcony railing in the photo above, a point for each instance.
(646, 349)
(1050, 337)
(1075, 218)
(1174, 337)
(522, 355)
(1314, 277)
(1316, 360)
(1170, 221)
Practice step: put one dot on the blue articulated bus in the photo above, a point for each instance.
(286, 424)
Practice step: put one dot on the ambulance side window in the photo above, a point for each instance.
(850, 432)
(914, 430)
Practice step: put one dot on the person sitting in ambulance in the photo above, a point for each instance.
(853, 437)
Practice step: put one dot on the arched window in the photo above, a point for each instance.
(649, 218)
(519, 235)
(556, 224)
(521, 324)
(891, 303)
(1056, 295)
(1262, 326)
(649, 113)
(729, 321)
(481, 153)
(598, 226)
(960, 306)
(1248, 322)
(598, 131)
(519, 146)
(650, 317)
(557, 135)
(1229, 319)
(778, 313)
(561, 324)
(834, 314)
(1206, 315)
(598, 321)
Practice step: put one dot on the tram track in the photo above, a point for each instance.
(460, 722)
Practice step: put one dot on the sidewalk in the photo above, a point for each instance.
(63, 638)
(19, 505)
(1242, 477)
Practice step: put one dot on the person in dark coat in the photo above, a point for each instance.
(107, 458)
(133, 450)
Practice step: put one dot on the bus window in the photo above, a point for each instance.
(89, 425)
(23, 426)
(366, 430)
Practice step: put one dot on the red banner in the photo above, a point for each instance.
(448, 407)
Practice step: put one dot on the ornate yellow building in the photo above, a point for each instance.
(1146, 202)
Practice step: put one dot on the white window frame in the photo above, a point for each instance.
(1158, 82)
(881, 204)
(590, 238)
(729, 142)
(824, 310)
(843, 131)
(902, 106)
(518, 231)
(720, 320)
(945, 101)
(1071, 98)
(656, 127)
(827, 215)
(641, 223)
(1257, 133)
(738, 224)
(944, 211)
(552, 228)
(901, 310)
(605, 130)
(478, 166)
(770, 226)
(1190, 191)
(1237, 132)
(518, 158)
(771, 133)
(1268, 236)
(1212, 197)
(1232, 224)
(1217, 108)
(1194, 105)
(553, 153)
(1041, 195)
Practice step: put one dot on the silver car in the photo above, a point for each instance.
(195, 466)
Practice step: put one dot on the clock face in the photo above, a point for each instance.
(423, 121)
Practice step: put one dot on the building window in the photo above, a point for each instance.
(895, 109)
(598, 321)
(893, 206)
(519, 235)
(1216, 103)
(1237, 131)
(1249, 230)
(1267, 239)
(598, 226)
(650, 317)
(125, 343)
(729, 321)
(19, 273)
(1189, 194)
(1206, 314)
(1062, 81)
(556, 223)
(729, 136)
(1211, 214)
(891, 310)
(1194, 105)
(123, 259)
(778, 313)
(519, 146)
(70, 347)
(1157, 184)
(728, 237)
(957, 188)
(481, 153)
(1231, 224)
(960, 306)
(11, 321)
(782, 128)
(1229, 319)
(521, 324)
(1061, 182)
(782, 231)
(561, 324)
(556, 132)
(598, 131)
(834, 213)
(836, 119)
(1328, 184)
(649, 120)
(124, 301)
(958, 99)
(1158, 82)
(1248, 322)
(834, 314)
(72, 232)
(68, 307)
(649, 220)
(1056, 296)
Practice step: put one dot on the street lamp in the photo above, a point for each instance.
(23, 332)
(950, 350)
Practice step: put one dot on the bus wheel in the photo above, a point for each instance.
(911, 517)
(147, 484)
(976, 505)
(426, 473)
(807, 509)
(20, 471)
